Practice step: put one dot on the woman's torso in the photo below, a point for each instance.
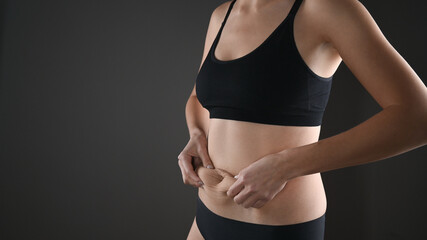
(234, 145)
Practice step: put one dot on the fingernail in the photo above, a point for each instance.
(209, 166)
(200, 182)
(236, 176)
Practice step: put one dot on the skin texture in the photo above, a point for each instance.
(286, 159)
(216, 181)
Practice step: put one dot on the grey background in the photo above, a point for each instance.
(92, 99)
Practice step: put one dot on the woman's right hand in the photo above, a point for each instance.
(195, 153)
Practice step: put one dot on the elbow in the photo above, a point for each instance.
(413, 119)
(418, 119)
(423, 122)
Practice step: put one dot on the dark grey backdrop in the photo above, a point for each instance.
(92, 120)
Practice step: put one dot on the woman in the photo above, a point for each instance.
(255, 113)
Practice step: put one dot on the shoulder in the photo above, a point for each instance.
(329, 6)
(349, 27)
(330, 16)
(216, 18)
(218, 14)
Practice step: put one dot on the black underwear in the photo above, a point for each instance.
(216, 227)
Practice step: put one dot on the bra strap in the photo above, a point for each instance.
(295, 7)
(228, 12)
(223, 22)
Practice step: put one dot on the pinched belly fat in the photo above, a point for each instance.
(216, 183)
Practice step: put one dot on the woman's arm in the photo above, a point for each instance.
(196, 116)
(392, 131)
(195, 152)
(401, 125)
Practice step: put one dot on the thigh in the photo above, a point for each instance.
(194, 233)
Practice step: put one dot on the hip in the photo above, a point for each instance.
(212, 226)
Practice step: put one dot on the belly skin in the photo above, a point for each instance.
(233, 145)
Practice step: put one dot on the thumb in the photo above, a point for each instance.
(207, 162)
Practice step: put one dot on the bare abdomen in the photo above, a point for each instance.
(234, 145)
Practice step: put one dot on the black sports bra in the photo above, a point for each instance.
(270, 85)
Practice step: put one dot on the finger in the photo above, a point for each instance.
(189, 168)
(189, 172)
(250, 201)
(243, 196)
(259, 204)
(207, 162)
(185, 178)
(235, 188)
(182, 170)
(197, 162)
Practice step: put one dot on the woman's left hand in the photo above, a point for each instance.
(259, 182)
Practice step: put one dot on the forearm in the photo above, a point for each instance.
(392, 131)
(196, 116)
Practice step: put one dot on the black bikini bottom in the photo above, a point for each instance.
(216, 227)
